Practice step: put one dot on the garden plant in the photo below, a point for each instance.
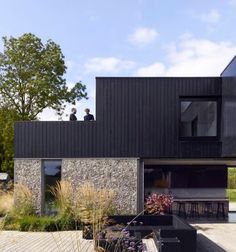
(87, 208)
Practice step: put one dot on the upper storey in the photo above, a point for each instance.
(136, 117)
(229, 109)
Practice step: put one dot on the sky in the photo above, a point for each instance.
(127, 37)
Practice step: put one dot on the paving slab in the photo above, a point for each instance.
(216, 237)
(232, 206)
(66, 241)
(212, 237)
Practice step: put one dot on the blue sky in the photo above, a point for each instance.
(128, 37)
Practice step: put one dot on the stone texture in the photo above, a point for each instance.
(28, 173)
(117, 174)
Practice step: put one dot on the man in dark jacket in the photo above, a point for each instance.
(88, 117)
(72, 115)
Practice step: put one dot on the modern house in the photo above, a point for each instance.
(172, 135)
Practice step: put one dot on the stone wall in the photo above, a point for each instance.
(118, 174)
(29, 173)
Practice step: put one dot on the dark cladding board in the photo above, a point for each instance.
(229, 110)
(135, 117)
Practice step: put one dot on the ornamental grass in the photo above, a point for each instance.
(23, 201)
(6, 202)
(63, 193)
(92, 208)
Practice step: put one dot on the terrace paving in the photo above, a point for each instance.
(66, 241)
(216, 237)
(212, 237)
(232, 206)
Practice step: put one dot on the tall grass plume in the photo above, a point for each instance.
(93, 206)
(6, 202)
(63, 193)
(23, 200)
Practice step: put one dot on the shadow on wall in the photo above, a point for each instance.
(204, 244)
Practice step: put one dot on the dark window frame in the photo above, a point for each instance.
(43, 180)
(217, 99)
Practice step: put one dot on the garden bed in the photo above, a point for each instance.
(167, 226)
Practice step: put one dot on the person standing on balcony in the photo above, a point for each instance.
(88, 117)
(72, 115)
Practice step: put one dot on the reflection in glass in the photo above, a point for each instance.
(198, 118)
(52, 175)
(229, 109)
(184, 176)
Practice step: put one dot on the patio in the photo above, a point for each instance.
(66, 241)
(217, 237)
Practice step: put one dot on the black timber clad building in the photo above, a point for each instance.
(136, 117)
(164, 123)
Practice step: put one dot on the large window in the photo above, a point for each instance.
(199, 177)
(184, 176)
(52, 175)
(198, 118)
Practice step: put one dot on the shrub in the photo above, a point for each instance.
(91, 206)
(232, 178)
(10, 222)
(231, 194)
(67, 223)
(158, 203)
(34, 223)
(119, 241)
(39, 224)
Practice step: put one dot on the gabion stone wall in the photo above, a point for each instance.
(117, 174)
(28, 172)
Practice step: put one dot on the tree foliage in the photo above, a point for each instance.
(7, 119)
(232, 178)
(31, 77)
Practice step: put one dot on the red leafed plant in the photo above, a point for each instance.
(158, 203)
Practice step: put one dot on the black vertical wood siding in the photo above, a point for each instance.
(229, 110)
(135, 117)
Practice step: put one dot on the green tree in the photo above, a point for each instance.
(31, 77)
(7, 119)
(232, 178)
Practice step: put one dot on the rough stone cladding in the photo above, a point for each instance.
(28, 173)
(117, 174)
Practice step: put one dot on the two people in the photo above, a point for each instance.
(87, 117)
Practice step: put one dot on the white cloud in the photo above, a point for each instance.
(107, 65)
(211, 18)
(155, 69)
(192, 57)
(143, 36)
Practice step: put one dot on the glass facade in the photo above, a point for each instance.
(52, 175)
(199, 177)
(198, 118)
(185, 176)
